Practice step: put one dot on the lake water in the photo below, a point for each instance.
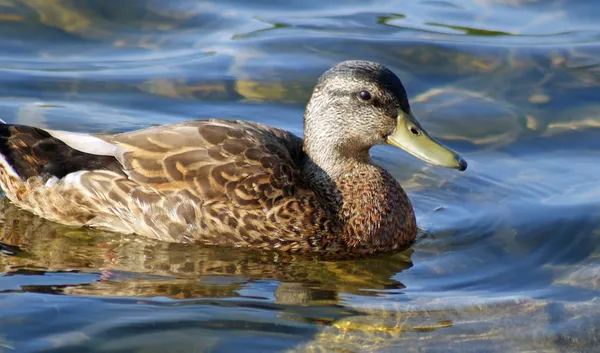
(508, 259)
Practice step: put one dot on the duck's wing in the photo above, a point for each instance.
(218, 160)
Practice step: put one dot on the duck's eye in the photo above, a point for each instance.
(364, 95)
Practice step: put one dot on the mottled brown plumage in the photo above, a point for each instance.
(227, 182)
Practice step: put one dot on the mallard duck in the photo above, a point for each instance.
(237, 183)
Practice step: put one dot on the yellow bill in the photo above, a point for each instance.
(411, 137)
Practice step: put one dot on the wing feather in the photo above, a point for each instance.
(221, 160)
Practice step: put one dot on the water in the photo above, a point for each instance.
(508, 258)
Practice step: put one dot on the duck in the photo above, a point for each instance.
(238, 183)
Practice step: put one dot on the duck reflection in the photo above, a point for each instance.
(106, 264)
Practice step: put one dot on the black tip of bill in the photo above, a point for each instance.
(462, 164)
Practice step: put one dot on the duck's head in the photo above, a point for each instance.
(359, 104)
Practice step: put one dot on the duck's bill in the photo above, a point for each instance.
(411, 137)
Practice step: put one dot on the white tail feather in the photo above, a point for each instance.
(85, 143)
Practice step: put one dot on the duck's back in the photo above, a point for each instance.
(245, 163)
(213, 181)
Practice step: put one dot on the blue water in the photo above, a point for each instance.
(508, 257)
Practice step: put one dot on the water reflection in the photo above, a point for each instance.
(117, 265)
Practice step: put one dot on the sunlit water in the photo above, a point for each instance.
(508, 259)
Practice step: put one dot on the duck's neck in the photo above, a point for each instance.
(371, 209)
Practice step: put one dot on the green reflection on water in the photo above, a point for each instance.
(471, 31)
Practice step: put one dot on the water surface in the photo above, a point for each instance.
(508, 258)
